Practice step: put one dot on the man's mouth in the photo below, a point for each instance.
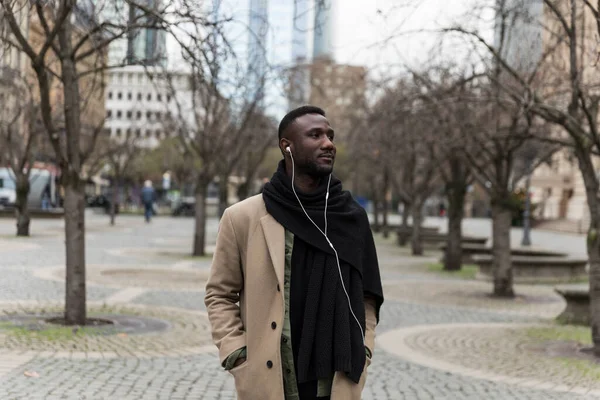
(326, 156)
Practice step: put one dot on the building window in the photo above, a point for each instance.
(129, 113)
(119, 114)
(108, 113)
(110, 95)
(168, 98)
(158, 134)
(148, 133)
(107, 131)
(149, 97)
(139, 115)
(128, 132)
(119, 96)
(138, 133)
(129, 96)
(159, 97)
(158, 115)
(118, 132)
(139, 96)
(148, 115)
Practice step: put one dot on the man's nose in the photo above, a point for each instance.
(328, 144)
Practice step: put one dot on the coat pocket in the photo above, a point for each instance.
(242, 386)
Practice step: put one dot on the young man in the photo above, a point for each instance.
(294, 290)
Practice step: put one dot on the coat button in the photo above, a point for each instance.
(284, 339)
(269, 364)
(278, 288)
(273, 325)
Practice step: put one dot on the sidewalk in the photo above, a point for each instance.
(142, 271)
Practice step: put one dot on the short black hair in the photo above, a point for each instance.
(295, 113)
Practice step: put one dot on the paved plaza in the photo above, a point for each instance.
(438, 338)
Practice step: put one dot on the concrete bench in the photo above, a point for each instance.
(528, 269)
(577, 297)
(472, 249)
(434, 239)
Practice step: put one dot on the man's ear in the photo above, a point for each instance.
(283, 143)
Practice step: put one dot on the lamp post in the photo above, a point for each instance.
(526, 241)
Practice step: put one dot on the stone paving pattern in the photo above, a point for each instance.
(189, 371)
(471, 348)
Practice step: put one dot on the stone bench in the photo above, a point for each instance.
(577, 297)
(435, 239)
(471, 249)
(536, 269)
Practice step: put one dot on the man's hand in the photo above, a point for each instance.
(239, 361)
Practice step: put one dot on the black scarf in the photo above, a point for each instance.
(325, 336)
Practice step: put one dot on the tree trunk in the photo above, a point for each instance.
(223, 193)
(75, 311)
(456, 206)
(502, 265)
(416, 240)
(376, 226)
(200, 220)
(21, 206)
(592, 186)
(405, 213)
(243, 190)
(385, 204)
(113, 202)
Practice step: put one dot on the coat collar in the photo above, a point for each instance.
(275, 238)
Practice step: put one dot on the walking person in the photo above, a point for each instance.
(148, 198)
(294, 291)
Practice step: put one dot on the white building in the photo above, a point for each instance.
(142, 102)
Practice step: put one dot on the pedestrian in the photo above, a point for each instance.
(148, 197)
(294, 290)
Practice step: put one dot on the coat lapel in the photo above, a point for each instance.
(275, 237)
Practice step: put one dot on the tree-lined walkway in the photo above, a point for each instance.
(142, 275)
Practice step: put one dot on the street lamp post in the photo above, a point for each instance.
(526, 241)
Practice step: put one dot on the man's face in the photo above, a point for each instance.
(312, 144)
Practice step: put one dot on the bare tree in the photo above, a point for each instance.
(452, 109)
(407, 149)
(19, 140)
(66, 43)
(223, 103)
(517, 64)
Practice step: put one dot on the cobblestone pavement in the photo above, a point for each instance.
(180, 363)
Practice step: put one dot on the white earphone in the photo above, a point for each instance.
(324, 233)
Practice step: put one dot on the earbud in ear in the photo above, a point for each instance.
(288, 149)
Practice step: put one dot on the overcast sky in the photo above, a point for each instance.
(382, 35)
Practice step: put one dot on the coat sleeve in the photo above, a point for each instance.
(223, 289)
(370, 322)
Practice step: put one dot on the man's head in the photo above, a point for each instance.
(307, 132)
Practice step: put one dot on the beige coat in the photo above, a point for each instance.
(248, 266)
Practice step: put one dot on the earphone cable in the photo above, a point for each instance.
(337, 259)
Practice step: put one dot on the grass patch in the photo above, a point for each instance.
(466, 272)
(50, 333)
(571, 333)
(587, 368)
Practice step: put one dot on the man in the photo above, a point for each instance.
(148, 197)
(286, 325)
